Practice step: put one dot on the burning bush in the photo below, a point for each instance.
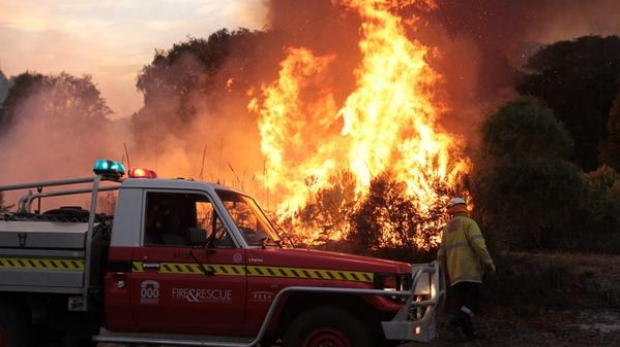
(388, 218)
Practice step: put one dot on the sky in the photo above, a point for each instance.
(110, 40)
(113, 40)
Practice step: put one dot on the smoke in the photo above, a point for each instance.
(483, 44)
(208, 132)
(220, 141)
(512, 30)
(51, 138)
(563, 20)
(478, 47)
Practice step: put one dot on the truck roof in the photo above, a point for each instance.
(178, 183)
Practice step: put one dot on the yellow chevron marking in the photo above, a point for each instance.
(259, 271)
(188, 268)
(267, 271)
(42, 264)
(137, 267)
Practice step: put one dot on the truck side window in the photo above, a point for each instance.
(217, 235)
(246, 221)
(171, 217)
(163, 221)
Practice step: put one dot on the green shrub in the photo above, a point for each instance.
(525, 284)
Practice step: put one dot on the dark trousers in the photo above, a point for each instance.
(467, 299)
(467, 294)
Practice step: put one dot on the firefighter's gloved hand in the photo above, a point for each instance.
(490, 268)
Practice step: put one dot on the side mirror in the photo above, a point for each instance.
(196, 237)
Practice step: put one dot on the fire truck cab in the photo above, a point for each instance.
(183, 262)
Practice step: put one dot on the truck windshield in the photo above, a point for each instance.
(250, 219)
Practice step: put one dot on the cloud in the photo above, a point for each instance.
(107, 39)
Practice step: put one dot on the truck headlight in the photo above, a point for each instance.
(394, 282)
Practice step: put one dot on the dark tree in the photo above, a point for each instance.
(610, 149)
(601, 201)
(178, 82)
(62, 112)
(578, 81)
(4, 86)
(522, 180)
(4, 91)
(2, 207)
(63, 94)
(24, 85)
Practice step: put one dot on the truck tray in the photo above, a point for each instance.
(42, 234)
(42, 256)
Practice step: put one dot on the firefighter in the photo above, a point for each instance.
(463, 253)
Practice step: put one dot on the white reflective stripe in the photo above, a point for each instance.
(457, 245)
(467, 310)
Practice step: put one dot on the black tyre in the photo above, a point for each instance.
(13, 328)
(327, 327)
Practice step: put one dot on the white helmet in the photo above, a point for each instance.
(456, 201)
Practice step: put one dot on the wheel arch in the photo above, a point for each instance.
(15, 321)
(17, 302)
(356, 305)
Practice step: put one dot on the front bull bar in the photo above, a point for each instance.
(416, 319)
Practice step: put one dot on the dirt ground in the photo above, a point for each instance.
(591, 319)
(566, 328)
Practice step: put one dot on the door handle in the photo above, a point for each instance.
(150, 266)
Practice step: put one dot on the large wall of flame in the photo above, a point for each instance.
(478, 45)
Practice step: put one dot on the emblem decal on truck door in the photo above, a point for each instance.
(149, 292)
(261, 296)
(237, 258)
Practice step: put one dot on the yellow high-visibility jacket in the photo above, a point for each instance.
(463, 250)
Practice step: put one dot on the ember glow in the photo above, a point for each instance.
(388, 123)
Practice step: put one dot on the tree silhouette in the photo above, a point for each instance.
(62, 98)
(55, 119)
(4, 86)
(602, 204)
(522, 180)
(610, 148)
(578, 80)
(4, 91)
(181, 81)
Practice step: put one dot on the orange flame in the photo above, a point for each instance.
(388, 123)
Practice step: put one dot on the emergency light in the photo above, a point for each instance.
(142, 173)
(109, 168)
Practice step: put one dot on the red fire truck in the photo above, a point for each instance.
(189, 263)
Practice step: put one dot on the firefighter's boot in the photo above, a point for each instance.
(468, 328)
(461, 326)
(456, 324)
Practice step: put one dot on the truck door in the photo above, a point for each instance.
(178, 284)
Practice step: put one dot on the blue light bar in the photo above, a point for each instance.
(109, 168)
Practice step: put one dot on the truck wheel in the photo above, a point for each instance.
(12, 327)
(327, 327)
